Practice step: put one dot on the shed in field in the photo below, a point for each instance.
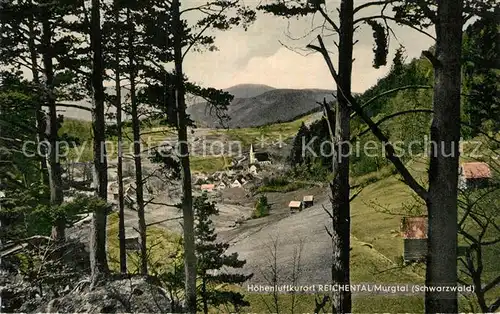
(414, 233)
(132, 239)
(308, 201)
(295, 206)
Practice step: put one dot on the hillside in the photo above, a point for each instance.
(75, 113)
(248, 90)
(253, 105)
(375, 245)
(277, 105)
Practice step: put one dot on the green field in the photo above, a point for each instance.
(270, 133)
(209, 164)
(155, 135)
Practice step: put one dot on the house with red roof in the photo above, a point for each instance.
(474, 175)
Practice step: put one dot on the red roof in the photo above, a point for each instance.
(295, 204)
(414, 227)
(476, 170)
(207, 187)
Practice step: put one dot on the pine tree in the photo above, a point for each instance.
(297, 155)
(481, 75)
(262, 207)
(211, 259)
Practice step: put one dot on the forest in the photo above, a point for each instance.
(72, 192)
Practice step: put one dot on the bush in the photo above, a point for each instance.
(261, 208)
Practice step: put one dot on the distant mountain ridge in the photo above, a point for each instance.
(248, 90)
(265, 105)
(254, 105)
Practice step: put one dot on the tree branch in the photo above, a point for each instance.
(330, 118)
(393, 116)
(193, 42)
(369, 4)
(492, 284)
(329, 20)
(435, 62)
(71, 106)
(390, 152)
(354, 196)
(391, 91)
(162, 221)
(374, 17)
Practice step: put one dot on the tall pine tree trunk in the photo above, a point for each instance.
(39, 115)
(139, 190)
(204, 294)
(341, 300)
(54, 167)
(187, 197)
(443, 171)
(98, 260)
(119, 167)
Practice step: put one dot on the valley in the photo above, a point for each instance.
(249, 157)
(221, 156)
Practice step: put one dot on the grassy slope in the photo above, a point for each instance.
(164, 248)
(377, 265)
(209, 164)
(156, 135)
(273, 132)
(367, 265)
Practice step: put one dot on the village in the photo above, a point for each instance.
(235, 191)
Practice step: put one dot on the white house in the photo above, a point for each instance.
(221, 186)
(308, 201)
(236, 184)
(253, 169)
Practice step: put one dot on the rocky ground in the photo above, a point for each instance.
(133, 295)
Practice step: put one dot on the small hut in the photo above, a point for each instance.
(295, 206)
(308, 201)
(474, 175)
(132, 239)
(414, 233)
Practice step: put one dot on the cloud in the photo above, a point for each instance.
(256, 56)
(288, 69)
